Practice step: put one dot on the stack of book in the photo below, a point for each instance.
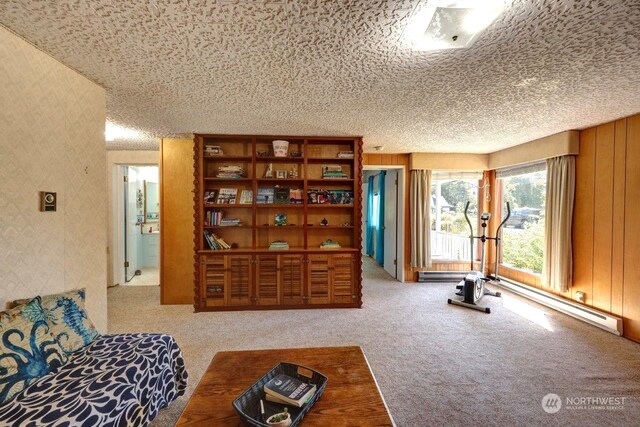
(212, 151)
(215, 243)
(231, 172)
(333, 172)
(345, 154)
(329, 244)
(279, 245)
(287, 390)
(230, 222)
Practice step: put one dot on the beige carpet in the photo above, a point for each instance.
(436, 364)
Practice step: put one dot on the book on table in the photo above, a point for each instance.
(288, 391)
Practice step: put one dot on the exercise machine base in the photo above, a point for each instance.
(472, 290)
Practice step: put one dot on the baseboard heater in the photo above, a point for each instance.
(441, 276)
(594, 317)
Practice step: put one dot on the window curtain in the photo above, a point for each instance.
(369, 229)
(558, 257)
(420, 204)
(380, 232)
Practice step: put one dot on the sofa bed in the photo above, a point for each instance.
(57, 370)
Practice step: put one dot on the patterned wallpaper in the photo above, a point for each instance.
(51, 138)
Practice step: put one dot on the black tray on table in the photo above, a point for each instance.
(248, 403)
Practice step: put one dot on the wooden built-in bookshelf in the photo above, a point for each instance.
(239, 268)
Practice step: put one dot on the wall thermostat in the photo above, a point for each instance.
(48, 201)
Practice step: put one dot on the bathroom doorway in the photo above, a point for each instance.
(138, 231)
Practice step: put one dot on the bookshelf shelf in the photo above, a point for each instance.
(228, 158)
(242, 266)
(329, 206)
(329, 160)
(329, 181)
(279, 159)
(279, 206)
(280, 181)
(227, 205)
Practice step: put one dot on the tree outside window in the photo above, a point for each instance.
(523, 235)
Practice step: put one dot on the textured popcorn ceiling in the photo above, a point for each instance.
(342, 67)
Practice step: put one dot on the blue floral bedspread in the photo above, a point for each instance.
(117, 380)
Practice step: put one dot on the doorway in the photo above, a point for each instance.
(137, 219)
(383, 218)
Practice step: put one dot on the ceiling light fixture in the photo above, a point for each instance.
(379, 147)
(451, 24)
(113, 131)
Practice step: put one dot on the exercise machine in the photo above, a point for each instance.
(472, 287)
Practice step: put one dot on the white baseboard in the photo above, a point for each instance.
(589, 315)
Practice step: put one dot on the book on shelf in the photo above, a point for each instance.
(345, 154)
(227, 196)
(329, 197)
(340, 197)
(230, 222)
(216, 243)
(246, 197)
(296, 196)
(280, 219)
(265, 196)
(333, 172)
(213, 150)
(210, 196)
(281, 196)
(231, 172)
(330, 244)
(279, 245)
(288, 390)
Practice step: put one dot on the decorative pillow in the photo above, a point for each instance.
(68, 320)
(27, 349)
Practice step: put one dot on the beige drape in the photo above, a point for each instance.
(420, 204)
(558, 257)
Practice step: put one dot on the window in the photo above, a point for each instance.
(375, 209)
(525, 189)
(450, 192)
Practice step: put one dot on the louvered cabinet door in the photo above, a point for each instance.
(292, 278)
(318, 277)
(343, 278)
(239, 280)
(267, 280)
(213, 271)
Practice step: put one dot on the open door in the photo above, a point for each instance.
(132, 226)
(390, 218)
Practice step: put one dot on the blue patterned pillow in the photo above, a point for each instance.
(68, 320)
(27, 349)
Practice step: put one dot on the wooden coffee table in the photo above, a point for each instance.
(352, 396)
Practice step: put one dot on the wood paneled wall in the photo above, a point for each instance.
(176, 221)
(606, 224)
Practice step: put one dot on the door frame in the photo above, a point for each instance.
(400, 232)
(118, 217)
